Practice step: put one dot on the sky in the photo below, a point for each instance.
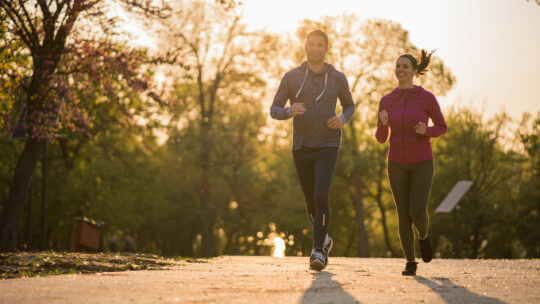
(491, 46)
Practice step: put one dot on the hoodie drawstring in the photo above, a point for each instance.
(304, 81)
(324, 89)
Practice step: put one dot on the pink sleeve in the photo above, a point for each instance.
(439, 125)
(382, 131)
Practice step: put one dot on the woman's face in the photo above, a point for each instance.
(404, 70)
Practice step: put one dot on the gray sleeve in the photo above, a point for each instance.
(346, 100)
(278, 110)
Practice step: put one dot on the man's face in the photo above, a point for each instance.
(316, 48)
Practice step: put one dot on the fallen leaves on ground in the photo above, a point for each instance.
(30, 264)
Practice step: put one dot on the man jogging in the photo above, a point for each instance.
(312, 89)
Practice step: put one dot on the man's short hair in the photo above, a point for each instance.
(320, 34)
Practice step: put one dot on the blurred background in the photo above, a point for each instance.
(153, 118)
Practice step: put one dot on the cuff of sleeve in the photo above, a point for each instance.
(343, 118)
(428, 132)
(289, 111)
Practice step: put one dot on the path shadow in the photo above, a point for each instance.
(452, 293)
(325, 290)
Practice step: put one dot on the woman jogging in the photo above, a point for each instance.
(406, 111)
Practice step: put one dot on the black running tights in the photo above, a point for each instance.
(315, 167)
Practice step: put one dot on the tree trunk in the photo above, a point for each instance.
(14, 205)
(350, 243)
(363, 244)
(477, 225)
(204, 192)
(385, 229)
(476, 242)
(383, 214)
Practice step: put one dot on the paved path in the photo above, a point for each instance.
(240, 279)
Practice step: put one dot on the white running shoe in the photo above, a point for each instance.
(318, 260)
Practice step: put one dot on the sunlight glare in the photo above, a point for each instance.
(279, 247)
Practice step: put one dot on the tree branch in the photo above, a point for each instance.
(33, 29)
(44, 9)
(22, 31)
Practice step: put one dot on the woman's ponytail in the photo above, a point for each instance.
(420, 64)
(424, 60)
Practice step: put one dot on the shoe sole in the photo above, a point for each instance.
(316, 265)
(427, 259)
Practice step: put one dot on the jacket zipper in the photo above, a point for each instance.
(403, 125)
(316, 111)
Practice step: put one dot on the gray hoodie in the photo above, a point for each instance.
(319, 93)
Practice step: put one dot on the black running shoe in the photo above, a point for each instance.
(318, 260)
(410, 269)
(426, 250)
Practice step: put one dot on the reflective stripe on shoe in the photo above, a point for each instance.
(328, 245)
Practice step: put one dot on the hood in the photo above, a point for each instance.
(327, 68)
(325, 71)
(400, 92)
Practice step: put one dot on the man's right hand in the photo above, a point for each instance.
(383, 117)
(297, 108)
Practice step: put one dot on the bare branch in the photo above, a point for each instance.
(44, 9)
(230, 37)
(22, 31)
(33, 29)
(59, 8)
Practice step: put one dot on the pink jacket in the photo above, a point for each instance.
(406, 107)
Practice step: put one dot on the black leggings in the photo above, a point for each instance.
(315, 167)
(411, 184)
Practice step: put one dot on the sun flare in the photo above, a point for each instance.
(279, 247)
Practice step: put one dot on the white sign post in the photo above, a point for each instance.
(449, 204)
(451, 200)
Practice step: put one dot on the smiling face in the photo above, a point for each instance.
(316, 48)
(404, 70)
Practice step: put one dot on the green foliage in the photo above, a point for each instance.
(528, 183)
(473, 150)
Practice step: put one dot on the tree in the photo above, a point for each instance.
(47, 30)
(528, 202)
(215, 66)
(473, 150)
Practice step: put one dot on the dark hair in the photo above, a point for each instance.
(320, 34)
(423, 58)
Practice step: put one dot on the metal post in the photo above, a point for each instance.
(43, 198)
(29, 221)
(454, 215)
